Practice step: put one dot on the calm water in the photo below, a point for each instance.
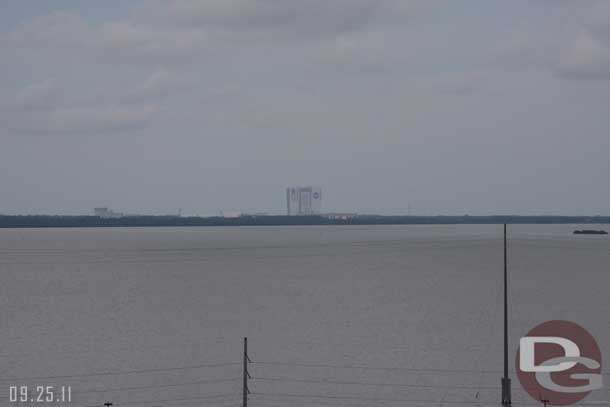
(84, 301)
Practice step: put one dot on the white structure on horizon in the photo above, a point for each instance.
(303, 201)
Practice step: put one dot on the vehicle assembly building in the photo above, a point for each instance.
(303, 201)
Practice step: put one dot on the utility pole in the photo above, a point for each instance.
(545, 401)
(108, 404)
(247, 360)
(506, 398)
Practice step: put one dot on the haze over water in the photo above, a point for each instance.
(81, 301)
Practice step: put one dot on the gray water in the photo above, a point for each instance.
(425, 300)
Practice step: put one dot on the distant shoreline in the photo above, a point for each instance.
(50, 221)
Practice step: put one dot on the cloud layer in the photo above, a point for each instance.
(424, 102)
(178, 39)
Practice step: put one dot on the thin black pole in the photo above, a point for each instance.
(506, 397)
(505, 307)
(246, 374)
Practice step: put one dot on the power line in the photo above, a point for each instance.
(373, 399)
(365, 367)
(323, 381)
(156, 386)
(133, 403)
(218, 402)
(382, 368)
(123, 372)
(381, 399)
(377, 384)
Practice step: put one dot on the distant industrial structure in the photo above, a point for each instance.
(340, 216)
(303, 201)
(239, 214)
(106, 213)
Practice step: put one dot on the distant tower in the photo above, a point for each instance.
(291, 201)
(303, 201)
(316, 200)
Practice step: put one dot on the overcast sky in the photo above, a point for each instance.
(451, 107)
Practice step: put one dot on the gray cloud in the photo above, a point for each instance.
(114, 41)
(587, 57)
(574, 43)
(303, 18)
(37, 95)
(169, 33)
(160, 84)
(83, 119)
(587, 54)
(46, 107)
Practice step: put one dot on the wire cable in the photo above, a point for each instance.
(167, 401)
(118, 389)
(399, 400)
(366, 367)
(371, 399)
(381, 368)
(378, 384)
(358, 383)
(121, 372)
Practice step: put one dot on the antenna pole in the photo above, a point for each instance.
(506, 397)
(246, 391)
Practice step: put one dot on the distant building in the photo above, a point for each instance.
(340, 216)
(303, 201)
(106, 213)
(230, 214)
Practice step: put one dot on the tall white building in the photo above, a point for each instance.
(303, 201)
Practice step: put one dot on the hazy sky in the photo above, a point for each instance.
(453, 107)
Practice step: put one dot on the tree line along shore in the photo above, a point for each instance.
(44, 221)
